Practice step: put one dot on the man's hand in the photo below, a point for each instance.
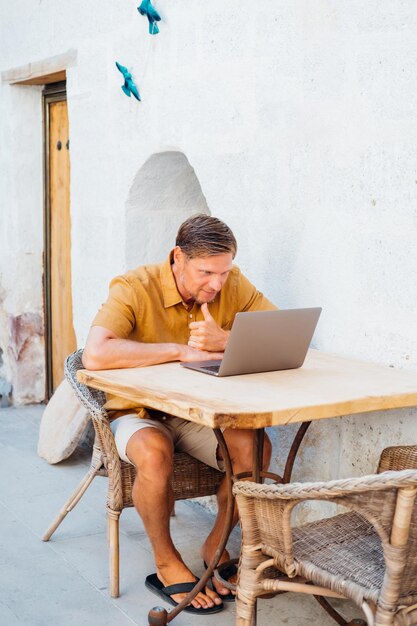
(192, 354)
(207, 335)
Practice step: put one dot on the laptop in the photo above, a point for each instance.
(264, 341)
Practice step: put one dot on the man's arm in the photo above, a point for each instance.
(105, 350)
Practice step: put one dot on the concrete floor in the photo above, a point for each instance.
(65, 581)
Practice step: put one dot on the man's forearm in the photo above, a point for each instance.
(119, 353)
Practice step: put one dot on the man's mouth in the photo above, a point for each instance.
(206, 296)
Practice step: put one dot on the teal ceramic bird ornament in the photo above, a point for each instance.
(129, 87)
(152, 14)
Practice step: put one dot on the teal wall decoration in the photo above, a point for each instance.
(129, 86)
(152, 14)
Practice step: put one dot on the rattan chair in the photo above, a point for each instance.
(191, 478)
(368, 554)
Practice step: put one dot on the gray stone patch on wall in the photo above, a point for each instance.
(164, 193)
(25, 352)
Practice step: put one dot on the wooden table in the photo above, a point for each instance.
(326, 386)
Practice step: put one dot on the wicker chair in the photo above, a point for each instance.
(368, 554)
(191, 478)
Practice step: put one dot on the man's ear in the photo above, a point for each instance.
(178, 256)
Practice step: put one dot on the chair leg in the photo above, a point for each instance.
(246, 612)
(74, 499)
(113, 537)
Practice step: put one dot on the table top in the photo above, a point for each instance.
(326, 386)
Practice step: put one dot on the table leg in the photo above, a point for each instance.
(258, 452)
(257, 474)
(331, 611)
(159, 616)
(293, 451)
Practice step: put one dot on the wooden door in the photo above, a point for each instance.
(60, 332)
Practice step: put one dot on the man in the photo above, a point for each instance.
(180, 310)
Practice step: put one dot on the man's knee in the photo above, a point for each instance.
(151, 451)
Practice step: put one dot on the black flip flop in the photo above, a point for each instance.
(226, 573)
(153, 583)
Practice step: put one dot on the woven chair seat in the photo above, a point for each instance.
(344, 546)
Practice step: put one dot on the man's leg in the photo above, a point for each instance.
(151, 451)
(240, 446)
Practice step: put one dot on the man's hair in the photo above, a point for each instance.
(204, 235)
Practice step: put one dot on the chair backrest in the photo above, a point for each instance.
(398, 458)
(104, 445)
(92, 399)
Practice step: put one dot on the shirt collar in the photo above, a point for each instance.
(170, 292)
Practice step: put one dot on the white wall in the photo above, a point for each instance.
(299, 120)
(21, 235)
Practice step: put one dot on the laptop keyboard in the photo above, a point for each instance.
(211, 368)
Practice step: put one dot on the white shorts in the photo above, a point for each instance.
(198, 441)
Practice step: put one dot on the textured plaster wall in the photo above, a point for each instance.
(299, 122)
(21, 233)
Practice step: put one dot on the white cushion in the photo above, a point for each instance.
(63, 425)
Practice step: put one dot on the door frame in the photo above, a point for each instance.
(53, 92)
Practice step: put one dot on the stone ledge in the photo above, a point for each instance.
(41, 72)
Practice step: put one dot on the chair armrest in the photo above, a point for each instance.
(265, 510)
(330, 489)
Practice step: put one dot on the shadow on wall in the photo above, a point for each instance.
(164, 193)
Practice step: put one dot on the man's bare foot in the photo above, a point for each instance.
(207, 554)
(177, 572)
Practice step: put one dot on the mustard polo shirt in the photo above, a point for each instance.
(145, 305)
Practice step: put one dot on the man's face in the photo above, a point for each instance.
(201, 278)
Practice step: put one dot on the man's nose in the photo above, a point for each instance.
(216, 283)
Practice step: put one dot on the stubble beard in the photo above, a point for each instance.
(194, 296)
(201, 301)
